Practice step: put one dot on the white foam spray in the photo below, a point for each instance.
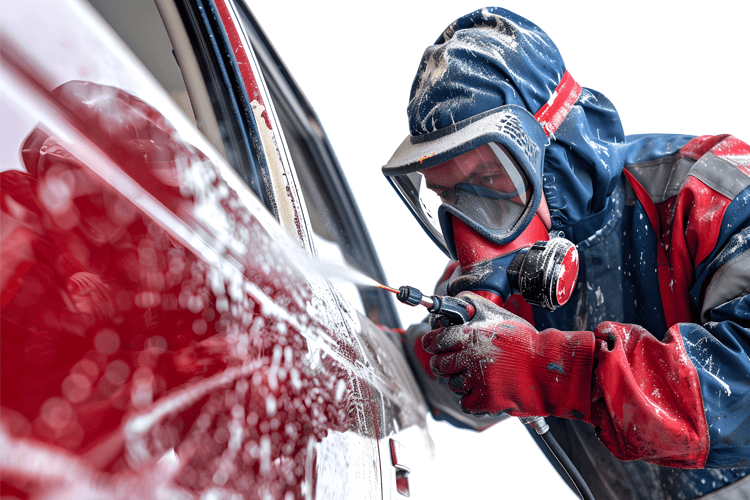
(334, 271)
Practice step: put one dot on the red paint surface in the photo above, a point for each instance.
(106, 317)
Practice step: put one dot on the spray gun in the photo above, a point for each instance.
(446, 310)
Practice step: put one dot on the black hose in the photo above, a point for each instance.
(583, 490)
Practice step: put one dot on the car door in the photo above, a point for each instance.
(163, 335)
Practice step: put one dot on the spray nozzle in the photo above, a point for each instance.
(413, 297)
(446, 310)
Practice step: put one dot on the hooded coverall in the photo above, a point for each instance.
(662, 226)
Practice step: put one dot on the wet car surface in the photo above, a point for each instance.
(164, 334)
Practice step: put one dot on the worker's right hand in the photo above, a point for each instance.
(499, 362)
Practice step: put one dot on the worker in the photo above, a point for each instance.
(641, 364)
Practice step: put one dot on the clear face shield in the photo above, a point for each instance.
(484, 171)
(484, 187)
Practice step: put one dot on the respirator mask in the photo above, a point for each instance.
(475, 187)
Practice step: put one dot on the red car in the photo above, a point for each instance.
(166, 191)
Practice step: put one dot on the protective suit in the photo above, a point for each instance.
(644, 372)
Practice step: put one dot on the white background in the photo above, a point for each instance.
(671, 67)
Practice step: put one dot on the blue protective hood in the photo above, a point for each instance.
(494, 57)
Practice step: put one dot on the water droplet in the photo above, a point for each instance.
(76, 388)
(117, 372)
(107, 341)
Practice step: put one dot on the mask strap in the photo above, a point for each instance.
(552, 114)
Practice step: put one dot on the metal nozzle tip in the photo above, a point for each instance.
(409, 295)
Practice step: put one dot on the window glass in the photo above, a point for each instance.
(333, 210)
(88, 50)
(140, 26)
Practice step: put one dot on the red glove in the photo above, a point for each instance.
(499, 362)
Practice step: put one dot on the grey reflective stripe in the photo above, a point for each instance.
(738, 490)
(720, 175)
(662, 178)
(732, 280)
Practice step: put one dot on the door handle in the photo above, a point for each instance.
(402, 471)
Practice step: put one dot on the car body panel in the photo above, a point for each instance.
(223, 363)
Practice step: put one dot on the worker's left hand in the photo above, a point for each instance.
(499, 362)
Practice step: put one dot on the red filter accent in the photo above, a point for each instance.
(568, 277)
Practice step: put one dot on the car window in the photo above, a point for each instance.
(140, 25)
(333, 209)
(177, 45)
(339, 229)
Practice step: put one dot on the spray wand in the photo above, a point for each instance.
(445, 309)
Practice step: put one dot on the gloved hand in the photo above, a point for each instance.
(499, 362)
(443, 402)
